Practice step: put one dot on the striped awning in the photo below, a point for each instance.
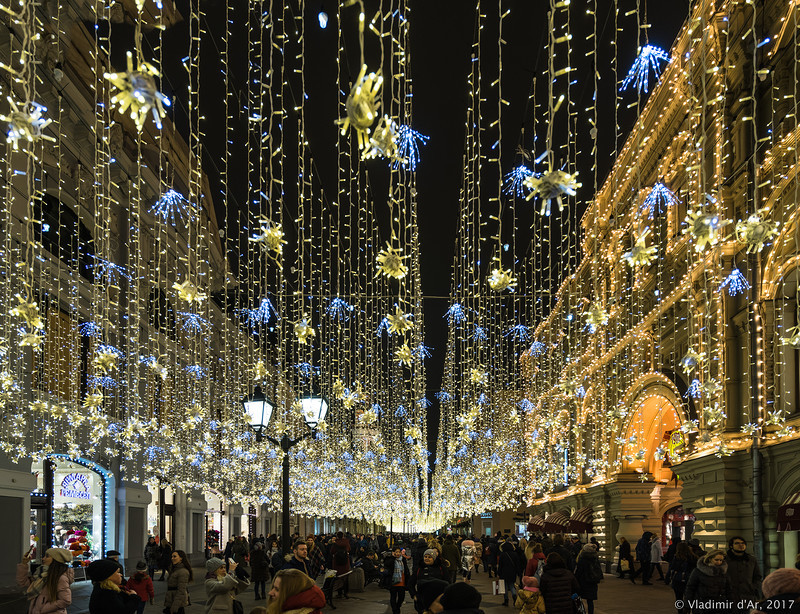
(556, 523)
(581, 521)
(536, 523)
(789, 514)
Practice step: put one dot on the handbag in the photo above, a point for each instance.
(577, 605)
(625, 565)
(498, 587)
(238, 608)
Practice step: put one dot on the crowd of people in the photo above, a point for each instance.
(546, 574)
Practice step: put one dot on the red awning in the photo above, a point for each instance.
(789, 514)
(556, 523)
(581, 521)
(536, 523)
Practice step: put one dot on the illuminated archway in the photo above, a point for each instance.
(652, 421)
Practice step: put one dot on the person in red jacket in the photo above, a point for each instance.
(294, 590)
(142, 584)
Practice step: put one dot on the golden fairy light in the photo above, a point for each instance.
(25, 124)
(399, 322)
(755, 231)
(137, 92)
(362, 105)
(390, 262)
(500, 280)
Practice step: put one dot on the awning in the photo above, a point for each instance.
(581, 521)
(536, 523)
(789, 514)
(556, 523)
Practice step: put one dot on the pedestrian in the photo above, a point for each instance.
(558, 585)
(694, 544)
(180, 574)
(452, 555)
(107, 597)
(240, 549)
(141, 583)
(48, 588)
(164, 557)
(562, 551)
(656, 554)
(508, 570)
(743, 572)
(340, 554)
(316, 559)
(461, 598)
(151, 555)
(589, 574)
(259, 563)
(478, 555)
(781, 592)
(299, 558)
(468, 560)
(680, 568)
(113, 555)
(709, 580)
(294, 591)
(529, 599)
(222, 586)
(431, 568)
(396, 578)
(625, 562)
(643, 554)
(429, 594)
(537, 558)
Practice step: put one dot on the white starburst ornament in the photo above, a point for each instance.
(792, 337)
(595, 317)
(478, 376)
(25, 124)
(137, 92)
(390, 262)
(270, 238)
(641, 254)
(551, 186)
(384, 141)
(304, 331)
(362, 105)
(405, 356)
(27, 311)
(190, 293)
(501, 280)
(691, 361)
(399, 322)
(704, 228)
(755, 231)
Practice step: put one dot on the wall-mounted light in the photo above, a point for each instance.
(323, 18)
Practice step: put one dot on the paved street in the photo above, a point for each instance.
(616, 597)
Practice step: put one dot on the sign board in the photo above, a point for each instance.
(75, 486)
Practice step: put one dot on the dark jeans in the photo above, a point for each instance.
(645, 569)
(397, 595)
(151, 570)
(590, 606)
(656, 567)
(263, 585)
(141, 607)
(512, 588)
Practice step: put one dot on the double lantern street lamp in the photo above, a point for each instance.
(259, 410)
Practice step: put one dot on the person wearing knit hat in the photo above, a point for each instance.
(48, 589)
(588, 574)
(222, 586)
(529, 599)
(461, 597)
(107, 596)
(781, 591)
(142, 584)
(431, 568)
(428, 594)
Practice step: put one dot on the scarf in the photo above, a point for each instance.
(397, 575)
(37, 582)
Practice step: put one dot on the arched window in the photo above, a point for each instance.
(63, 234)
(652, 421)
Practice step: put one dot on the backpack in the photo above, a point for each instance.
(539, 570)
(340, 556)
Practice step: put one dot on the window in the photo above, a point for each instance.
(63, 234)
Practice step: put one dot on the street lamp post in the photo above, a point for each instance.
(259, 410)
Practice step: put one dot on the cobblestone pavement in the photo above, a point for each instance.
(615, 597)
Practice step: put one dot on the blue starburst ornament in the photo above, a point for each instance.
(193, 323)
(656, 201)
(422, 351)
(518, 332)
(695, 390)
(339, 309)
(514, 181)
(479, 334)
(443, 396)
(112, 272)
(537, 348)
(172, 207)
(260, 315)
(455, 314)
(196, 370)
(383, 326)
(649, 58)
(408, 143)
(736, 283)
(91, 329)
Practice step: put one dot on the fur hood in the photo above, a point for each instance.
(712, 570)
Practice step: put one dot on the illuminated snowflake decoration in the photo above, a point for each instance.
(362, 105)
(408, 143)
(270, 238)
(171, 207)
(641, 254)
(711, 388)
(792, 337)
(339, 309)
(691, 361)
(501, 280)
(137, 92)
(157, 368)
(649, 58)
(756, 231)
(383, 142)
(569, 387)
(736, 283)
(713, 415)
(537, 348)
(27, 311)
(105, 360)
(478, 376)
(704, 228)
(260, 315)
(551, 186)
(657, 200)
(390, 262)
(519, 333)
(455, 314)
(303, 330)
(196, 371)
(695, 389)
(190, 293)
(422, 351)
(112, 272)
(32, 340)
(25, 124)
(193, 323)
(479, 334)
(399, 322)
(514, 180)
(405, 355)
(595, 317)
(91, 329)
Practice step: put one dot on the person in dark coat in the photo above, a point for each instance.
(643, 552)
(452, 555)
(340, 562)
(624, 555)
(460, 598)
(781, 592)
(396, 578)
(710, 579)
(259, 564)
(536, 559)
(680, 568)
(151, 555)
(589, 574)
(508, 570)
(557, 585)
(107, 596)
(562, 551)
(431, 568)
(164, 557)
(743, 571)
